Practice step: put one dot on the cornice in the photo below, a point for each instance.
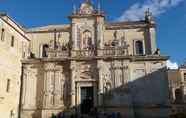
(85, 15)
(128, 25)
(106, 58)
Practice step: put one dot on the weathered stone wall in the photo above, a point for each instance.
(10, 66)
(143, 82)
(41, 38)
(45, 89)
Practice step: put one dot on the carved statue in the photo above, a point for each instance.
(87, 40)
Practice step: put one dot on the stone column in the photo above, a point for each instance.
(74, 36)
(73, 77)
(46, 89)
(57, 90)
(24, 89)
(125, 72)
(100, 81)
(153, 40)
(100, 32)
(48, 85)
(150, 40)
(173, 94)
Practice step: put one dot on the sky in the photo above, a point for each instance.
(170, 16)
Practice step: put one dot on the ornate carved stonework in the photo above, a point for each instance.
(99, 64)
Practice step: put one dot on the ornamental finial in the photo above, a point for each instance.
(148, 15)
(74, 9)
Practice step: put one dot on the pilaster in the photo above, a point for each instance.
(74, 36)
(73, 77)
(100, 83)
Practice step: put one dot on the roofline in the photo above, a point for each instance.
(49, 31)
(129, 25)
(113, 26)
(5, 15)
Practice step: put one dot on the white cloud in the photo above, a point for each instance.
(172, 65)
(157, 7)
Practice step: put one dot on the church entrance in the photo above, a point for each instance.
(87, 99)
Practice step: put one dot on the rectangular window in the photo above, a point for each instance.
(2, 34)
(8, 86)
(12, 41)
(184, 76)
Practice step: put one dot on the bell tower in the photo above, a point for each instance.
(87, 25)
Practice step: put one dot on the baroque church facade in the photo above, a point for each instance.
(113, 66)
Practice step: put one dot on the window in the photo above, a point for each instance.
(2, 34)
(139, 47)
(8, 86)
(12, 41)
(184, 76)
(44, 50)
(178, 96)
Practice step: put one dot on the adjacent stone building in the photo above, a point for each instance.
(90, 62)
(177, 88)
(14, 45)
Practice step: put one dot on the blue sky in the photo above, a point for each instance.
(170, 16)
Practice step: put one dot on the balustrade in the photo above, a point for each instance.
(57, 53)
(87, 53)
(83, 53)
(113, 52)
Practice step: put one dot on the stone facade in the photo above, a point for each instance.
(177, 89)
(117, 62)
(14, 47)
(114, 66)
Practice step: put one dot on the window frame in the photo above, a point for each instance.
(184, 76)
(12, 43)
(2, 34)
(8, 85)
(134, 47)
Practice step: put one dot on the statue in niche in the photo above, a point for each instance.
(108, 44)
(123, 42)
(115, 42)
(52, 43)
(108, 87)
(86, 40)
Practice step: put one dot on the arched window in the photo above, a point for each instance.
(44, 50)
(139, 47)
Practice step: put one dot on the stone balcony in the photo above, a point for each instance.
(55, 53)
(106, 53)
(58, 53)
(83, 53)
(113, 52)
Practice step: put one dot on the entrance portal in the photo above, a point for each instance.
(87, 99)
